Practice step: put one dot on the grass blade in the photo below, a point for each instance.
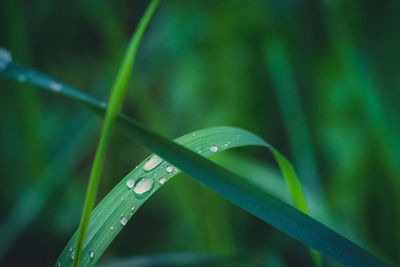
(231, 186)
(115, 210)
(116, 100)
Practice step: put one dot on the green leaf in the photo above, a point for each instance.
(231, 186)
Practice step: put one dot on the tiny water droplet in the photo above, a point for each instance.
(162, 180)
(21, 78)
(55, 86)
(70, 249)
(123, 221)
(225, 145)
(132, 210)
(91, 254)
(213, 149)
(170, 169)
(73, 254)
(152, 163)
(193, 134)
(143, 185)
(130, 183)
(5, 58)
(112, 228)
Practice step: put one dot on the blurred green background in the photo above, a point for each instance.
(318, 79)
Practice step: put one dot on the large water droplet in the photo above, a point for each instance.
(130, 183)
(213, 149)
(123, 221)
(143, 185)
(5, 58)
(152, 163)
(91, 254)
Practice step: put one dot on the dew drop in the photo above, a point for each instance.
(73, 254)
(70, 249)
(213, 149)
(91, 254)
(152, 163)
(123, 221)
(112, 228)
(130, 183)
(143, 185)
(21, 78)
(55, 86)
(162, 180)
(132, 210)
(5, 58)
(170, 169)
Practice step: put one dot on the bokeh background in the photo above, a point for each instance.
(318, 79)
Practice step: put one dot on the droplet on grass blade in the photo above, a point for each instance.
(55, 86)
(91, 254)
(21, 78)
(123, 221)
(130, 183)
(152, 163)
(143, 185)
(5, 58)
(162, 180)
(213, 149)
(170, 169)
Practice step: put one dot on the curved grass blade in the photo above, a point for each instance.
(231, 186)
(116, 100)
(115, 210)
(173, 259)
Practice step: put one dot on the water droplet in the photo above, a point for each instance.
(170, 169)
(130, 183)
(213, 149)
(143, 185)
(193, 134)
(132, 210)
(152, 163)
(70, 249)
(21, 78)
(112, 228)
(91, 254)
(225, 145)
(73, 254)
(59, 264)
(123, 221)
(55, 86)
(162, 180)
(5, 58)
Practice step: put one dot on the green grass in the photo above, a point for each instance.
(115, 104)
(231, 186)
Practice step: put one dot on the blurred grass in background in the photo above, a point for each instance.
(317, 79)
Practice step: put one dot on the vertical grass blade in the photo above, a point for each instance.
(115, 103)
